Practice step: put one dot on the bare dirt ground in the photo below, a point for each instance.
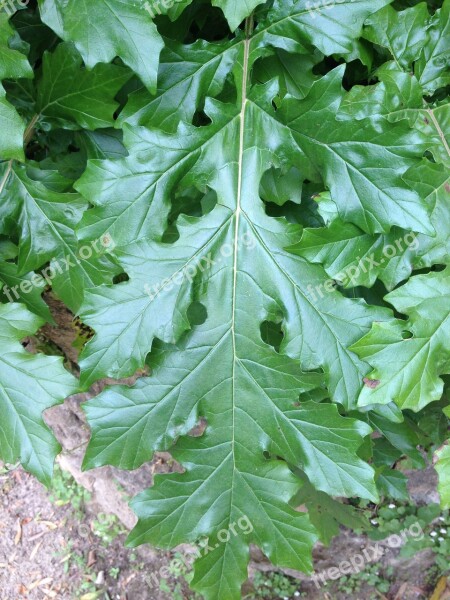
(62, 552)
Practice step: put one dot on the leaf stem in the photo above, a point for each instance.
(438, 129)
(6, 175)
(245, 70)
(29, 131)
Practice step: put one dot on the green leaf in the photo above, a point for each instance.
(392, 484)
(187, 74)
(104, 29)
(13, 128)
(432, 181)
(328, 514)
(297, 25)
(412, 37)
(24, 289)
(294, 71)
(435, 122)
(236, 12)
(403, 33)
(432, 68)
(401, 435)
(72, 97)
(13, 64)
(408, 356)
(352, 257)
(442, 466)
(148, 264)
(355, 176)
(46, 222)
(230, 263)
(246, 191)
(29, 384)
(397, 96)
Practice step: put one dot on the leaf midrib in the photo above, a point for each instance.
(245, 73)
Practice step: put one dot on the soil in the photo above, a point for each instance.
(49, 551)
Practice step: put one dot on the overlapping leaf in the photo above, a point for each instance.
(29, 384)
(72, 97)
(355, 175)
(13, 64)
(20, 288)
(408, 356)
(104, 29)
(412, 36)
(45, 223)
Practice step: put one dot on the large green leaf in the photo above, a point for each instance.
(408, 356)
(29, 384)
(260, 184)
(104, 29)
(148, 264)
(231, 261)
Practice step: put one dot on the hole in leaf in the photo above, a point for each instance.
(199, 429)
(165, 463)
(272, 334)
(201, 119)
(190, 202)
(120, 278)
(279, 187)
(197, 314)
(407, 335)
(210, 24)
